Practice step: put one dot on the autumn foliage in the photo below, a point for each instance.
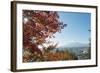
(37, 27)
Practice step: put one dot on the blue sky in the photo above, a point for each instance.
(77, 28)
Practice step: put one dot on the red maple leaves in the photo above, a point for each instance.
(39, 25)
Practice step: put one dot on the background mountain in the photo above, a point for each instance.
(76, 45)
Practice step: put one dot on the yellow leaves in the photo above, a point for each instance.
(56, 56)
